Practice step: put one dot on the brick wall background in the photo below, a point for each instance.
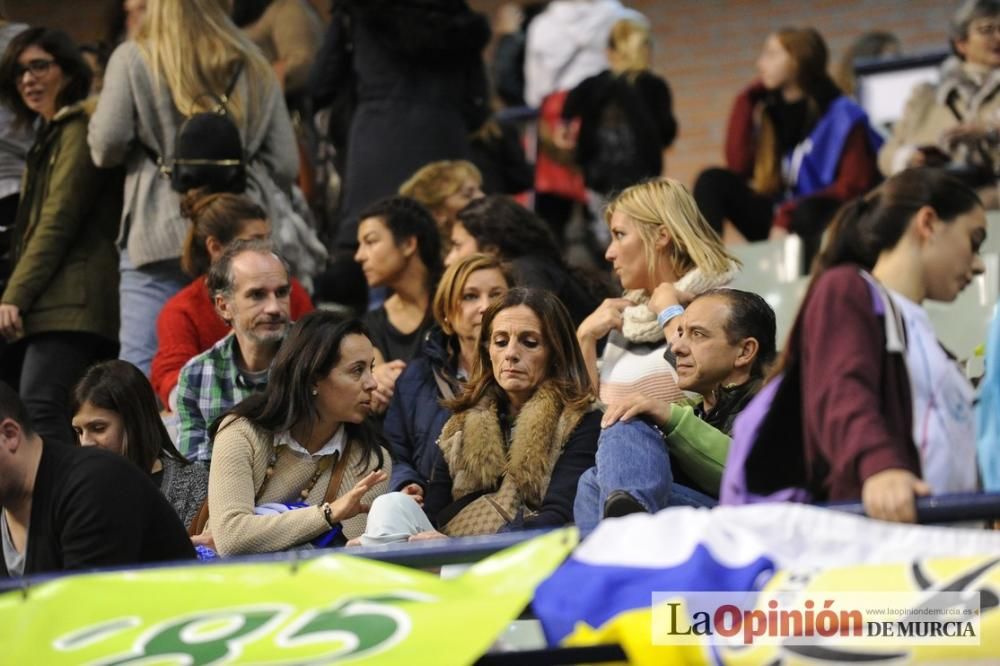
(705, 48)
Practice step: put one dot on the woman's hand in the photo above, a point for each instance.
(665, 295)
(385, 375)
(415, 491)
(891, 493)
(607, 317)
(349, 505)
(637, 405)
(11, 325)
(204, 539)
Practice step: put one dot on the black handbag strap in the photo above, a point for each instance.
(232, 85)
(159, 160)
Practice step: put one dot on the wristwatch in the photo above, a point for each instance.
(328, 514)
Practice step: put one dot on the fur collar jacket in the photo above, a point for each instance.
(480, 455)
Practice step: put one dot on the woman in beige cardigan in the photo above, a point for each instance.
(306, 440)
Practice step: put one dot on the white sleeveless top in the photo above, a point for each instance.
(944, 424)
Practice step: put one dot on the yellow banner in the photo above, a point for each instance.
(328, 609)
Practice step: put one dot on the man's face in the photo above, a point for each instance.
(258, 308)
(705, 357)
(11, 477)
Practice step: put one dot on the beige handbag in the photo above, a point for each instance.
(486, 514)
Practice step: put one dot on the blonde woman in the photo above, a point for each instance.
(445, 188)
(663, 252)
(626, 122)
(185, 52)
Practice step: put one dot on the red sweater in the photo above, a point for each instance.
(856, 403)
(857, 171)
(189, 325)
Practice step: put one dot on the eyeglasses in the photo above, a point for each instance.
(39, 67)
(987, 29)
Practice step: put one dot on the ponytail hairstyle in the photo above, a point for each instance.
(221, 216)
(867, 226)
(807, 48)
(871, 224)
(631, 47)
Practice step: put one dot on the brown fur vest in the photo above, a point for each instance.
(474, 447)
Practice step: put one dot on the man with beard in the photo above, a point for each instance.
(251, 288)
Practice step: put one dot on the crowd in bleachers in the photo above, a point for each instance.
(282, 281)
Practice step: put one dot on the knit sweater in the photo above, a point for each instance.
(184, 486)
(634, 358)
(239, 464)
(135, 111)
(188, 325)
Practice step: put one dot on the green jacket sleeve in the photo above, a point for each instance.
(73, 182)
(698, 448)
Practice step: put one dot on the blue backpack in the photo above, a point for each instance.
(751, 475)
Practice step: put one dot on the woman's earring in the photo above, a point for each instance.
(314, 391)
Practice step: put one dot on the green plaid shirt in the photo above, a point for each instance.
(210, 384)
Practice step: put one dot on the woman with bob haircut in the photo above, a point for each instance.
(184, 56)
(663, 252)
(522, 432)
(114, 408)
(61, 300)
(300, 460)
(447, 359)
(796, 147)
(188, 323)
(886, 412)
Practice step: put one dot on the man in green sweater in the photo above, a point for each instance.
(653, 454)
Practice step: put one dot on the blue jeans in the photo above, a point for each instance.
(631, 456)
(143, 292)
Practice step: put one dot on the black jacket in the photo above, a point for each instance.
(420, 85)
(91, 508)
(647, 107)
